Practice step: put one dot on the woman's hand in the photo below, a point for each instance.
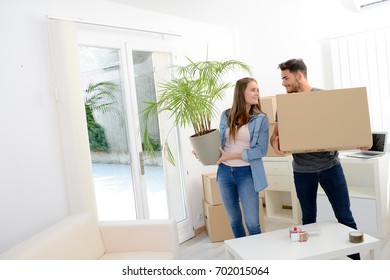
(223, 156)
(226, 156)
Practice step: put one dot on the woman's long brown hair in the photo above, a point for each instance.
(238, 115)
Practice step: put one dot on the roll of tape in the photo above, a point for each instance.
(303, 236)
(297, 234)
(356, 237)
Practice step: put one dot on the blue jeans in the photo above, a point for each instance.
(334, 184)
(235, 185)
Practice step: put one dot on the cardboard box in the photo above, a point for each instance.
(210, 189)
(217, 222)
(325, 120)
(261, 211)
(268, 106)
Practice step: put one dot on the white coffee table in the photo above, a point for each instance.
(332, 242)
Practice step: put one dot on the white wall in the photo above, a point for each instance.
(33, 192)
(279, 30)
(32, 180)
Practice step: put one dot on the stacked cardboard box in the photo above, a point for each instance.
(216, 219)
(210, 189)
(268, 106)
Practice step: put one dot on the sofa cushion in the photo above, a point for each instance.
(140, 236)
(76, 237)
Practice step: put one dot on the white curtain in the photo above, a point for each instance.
(363, 59)
(71, 115)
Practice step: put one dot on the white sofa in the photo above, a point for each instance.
(80, 237)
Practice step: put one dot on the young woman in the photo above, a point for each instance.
(244, 141)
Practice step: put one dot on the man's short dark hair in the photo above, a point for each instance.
(294, 65)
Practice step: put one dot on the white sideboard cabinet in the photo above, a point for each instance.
(281, 203)
(368, 185)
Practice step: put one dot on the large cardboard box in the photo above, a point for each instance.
(268, 106)
(210, 189)
(325, 120)
(217, 222)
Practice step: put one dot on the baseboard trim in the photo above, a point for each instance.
(199, 230)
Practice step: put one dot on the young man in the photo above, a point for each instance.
(313, 168)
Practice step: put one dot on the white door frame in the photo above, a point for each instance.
(126, 41)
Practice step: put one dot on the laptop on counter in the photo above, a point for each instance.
(379, 142)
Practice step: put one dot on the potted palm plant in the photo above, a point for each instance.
(190, 99)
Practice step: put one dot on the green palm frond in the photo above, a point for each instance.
(103, 97)
(190, 97)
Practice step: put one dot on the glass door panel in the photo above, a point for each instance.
(109, 146)
(107, 131)
(165, 193)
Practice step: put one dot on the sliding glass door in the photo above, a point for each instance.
(120, 74)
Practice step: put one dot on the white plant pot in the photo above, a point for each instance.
(207, 146)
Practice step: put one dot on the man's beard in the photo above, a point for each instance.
(296, 87)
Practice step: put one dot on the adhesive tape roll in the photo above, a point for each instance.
(356, 237)
(303, 236)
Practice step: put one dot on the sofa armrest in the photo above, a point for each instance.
(140, 235)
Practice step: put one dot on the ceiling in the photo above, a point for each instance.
(221, 12)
